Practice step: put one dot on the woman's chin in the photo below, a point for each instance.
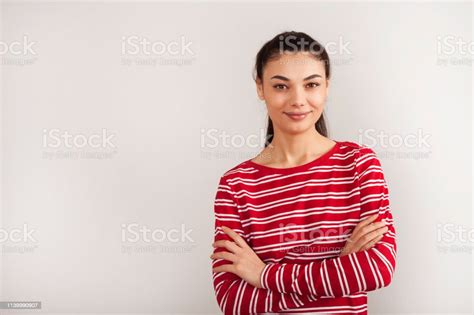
(298, 128)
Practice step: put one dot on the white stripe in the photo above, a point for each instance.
(355, 272)
(293, 278)
(377, 269)
(311, 280)
(362, 276)
(327, 278)
(248, 170)
(281, 280)
(293, 185)
(226, 295)
(373, 271)
(298, 198)
(314, 170)
(238, 297)
(384, 260)
(282, 303)
(348, 289)
(252, 299)
(324, 282)
(277, 272)
(294, 213)
(339, 277)
(298, 289)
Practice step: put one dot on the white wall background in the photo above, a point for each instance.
(398, 75)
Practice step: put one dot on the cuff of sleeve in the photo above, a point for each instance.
(264, 276)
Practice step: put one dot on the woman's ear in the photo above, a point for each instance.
(259, 87)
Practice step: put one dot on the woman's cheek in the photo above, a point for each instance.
(318, 97)
(278, 99)
(276, 104)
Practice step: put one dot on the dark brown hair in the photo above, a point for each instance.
(291, 42)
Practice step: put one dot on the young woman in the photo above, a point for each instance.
(305, 226)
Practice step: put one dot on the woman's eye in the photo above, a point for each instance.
(313, 84)
(279, 86)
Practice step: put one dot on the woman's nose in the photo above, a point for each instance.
(297, 97)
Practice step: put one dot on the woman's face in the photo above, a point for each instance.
(294, 83)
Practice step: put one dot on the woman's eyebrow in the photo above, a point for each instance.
(312, 77)
(305, 79)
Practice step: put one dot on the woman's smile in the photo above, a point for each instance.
(297, 116)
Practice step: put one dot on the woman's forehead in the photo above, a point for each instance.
(294, 66)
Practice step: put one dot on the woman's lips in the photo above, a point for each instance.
(297, 116)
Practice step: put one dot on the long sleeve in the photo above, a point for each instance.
(367, 270)
(234, 295)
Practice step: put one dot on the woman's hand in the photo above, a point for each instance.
(245, 263)
(365, 235)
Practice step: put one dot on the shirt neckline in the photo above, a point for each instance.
(296, 168)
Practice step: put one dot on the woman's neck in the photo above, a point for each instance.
(290, 150)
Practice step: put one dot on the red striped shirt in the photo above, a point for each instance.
(297, 220)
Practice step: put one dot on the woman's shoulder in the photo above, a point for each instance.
(362, 155)
(237, 170)
(354, 146)
(358, 153)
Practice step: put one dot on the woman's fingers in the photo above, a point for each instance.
(368, 228)
(224, 268)
(372, 243)
(369, 237)
(365, 222)
(236, 237)
(367, 232)
(229, 245)
(224, 255)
